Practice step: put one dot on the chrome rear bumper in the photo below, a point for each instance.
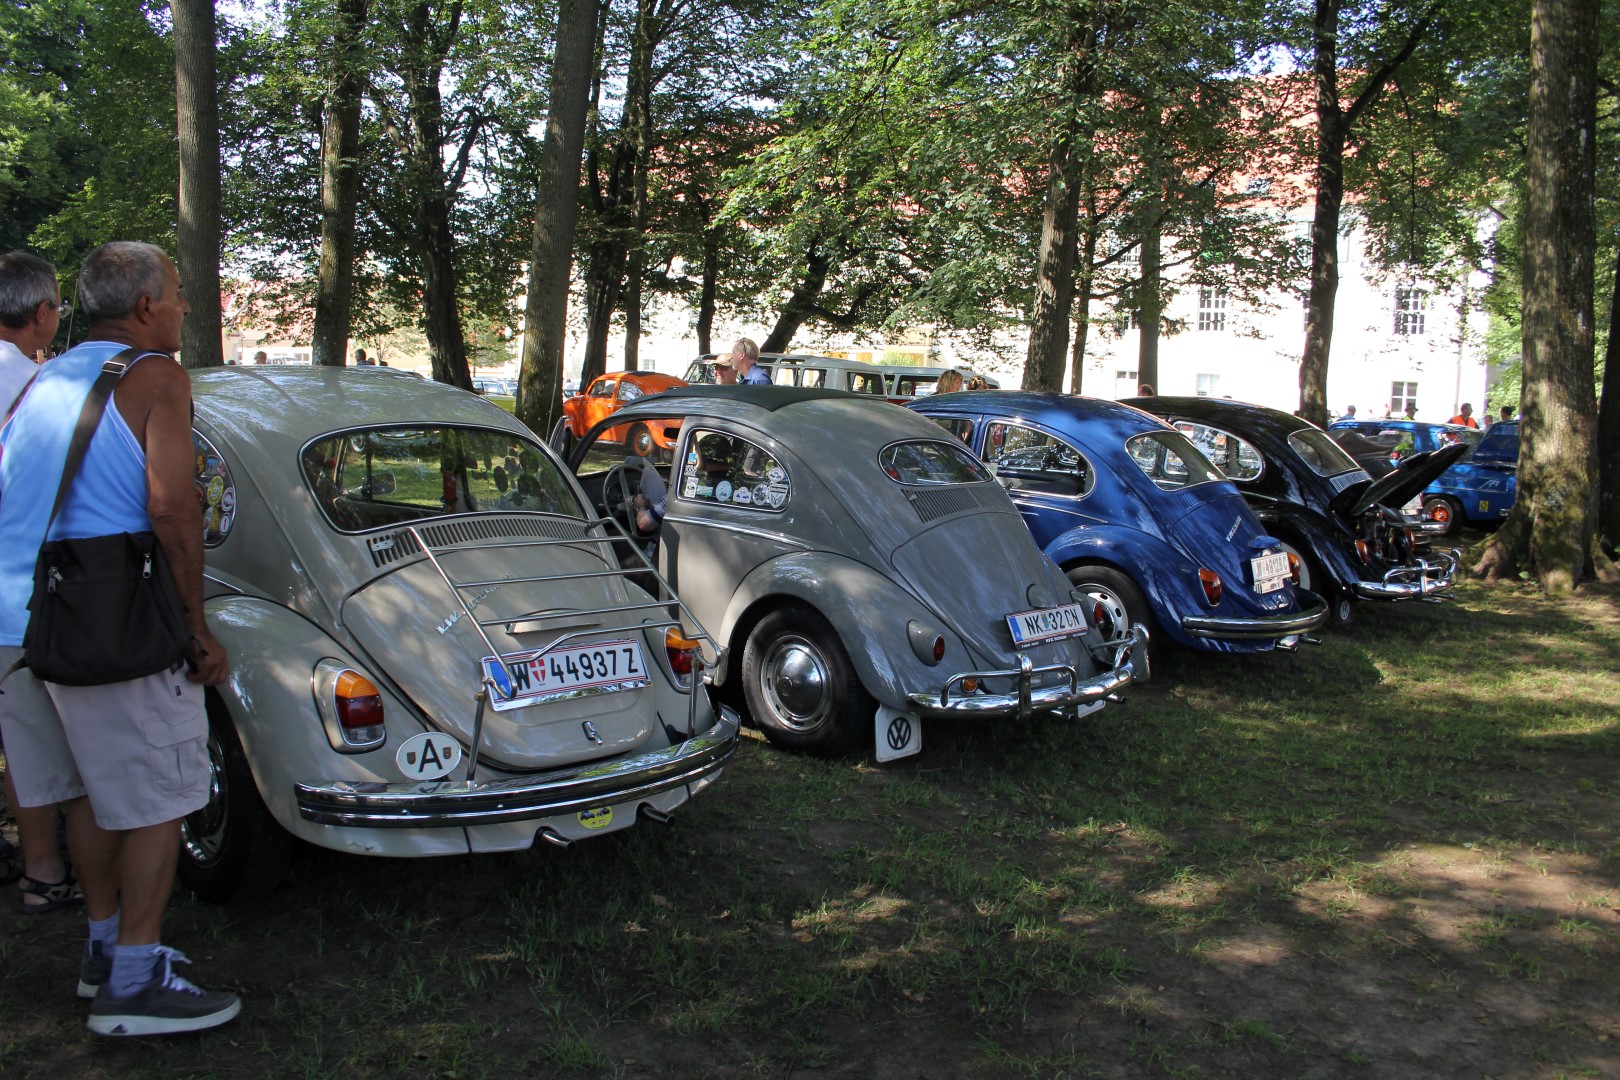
(1130, 666)
(1427, 578)
(562, 791)
(1312, 614)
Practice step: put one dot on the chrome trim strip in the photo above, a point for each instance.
(744, 529)
(1130, 666)
(1282, 625)
(443, 803)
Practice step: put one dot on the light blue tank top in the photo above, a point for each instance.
(108, 496)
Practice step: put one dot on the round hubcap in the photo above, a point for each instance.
(643, 442)
(1108, 612)
(203, 833)
(795, 684)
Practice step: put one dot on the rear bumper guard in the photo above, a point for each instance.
(1312, 614)
(1130, 666)
(1430, 577)
(563, 791)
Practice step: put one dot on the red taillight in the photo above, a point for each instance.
(681, 650)
(1211, 581)
(1293, 567)
(359, 704)
(939, 649)
(1364, 552)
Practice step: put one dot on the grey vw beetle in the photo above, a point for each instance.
(864, 568)
(373, 543)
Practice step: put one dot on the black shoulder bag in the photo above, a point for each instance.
(105, 609)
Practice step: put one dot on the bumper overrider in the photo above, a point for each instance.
(561, 791)
(1428, 577)
(1130, 666)
(1312, 614)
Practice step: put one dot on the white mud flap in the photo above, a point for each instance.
(899, 734)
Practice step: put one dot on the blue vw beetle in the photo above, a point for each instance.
(1138, 518)
(1479, 490)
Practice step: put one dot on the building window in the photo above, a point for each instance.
(1208, 385)
(1211, 308)
(1402, 395)
(1410, 304)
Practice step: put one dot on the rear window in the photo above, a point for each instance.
(927, 462)
(1169, 460)
(1318, 451)
(1232, 455)
(379, 477)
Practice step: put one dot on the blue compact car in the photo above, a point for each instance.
(1478, 490)
(1138, 518)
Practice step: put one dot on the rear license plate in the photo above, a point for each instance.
(1269, 572)
(1047, 624)
(532, 677)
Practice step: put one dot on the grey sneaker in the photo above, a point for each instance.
(93, 969)
(167, 1005)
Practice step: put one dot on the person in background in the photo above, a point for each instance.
(1411, 410)
(977, 382)
(745, 357)
(1507, 414)
(1145, 390)
(261, 357)
(1465, 417)
(949, 383)
(30, 310)
(725, 372)
(361, 360)
(1349, 413)
(128, 760)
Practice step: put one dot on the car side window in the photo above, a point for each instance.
(866, 384)
(1228, 453)
(730, 471)
(813, 377)
(216, 491)
(1024, 459)
(602, 388)
(960, 427)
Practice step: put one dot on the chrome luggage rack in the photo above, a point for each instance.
(605, 535)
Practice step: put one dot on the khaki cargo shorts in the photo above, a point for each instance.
(139, 749)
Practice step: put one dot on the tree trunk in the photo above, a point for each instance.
(604, 276)
(197, 115)
(632, 310)
(800, 305)
(1085, 270)
(1552, 529)
(441, 308)
(1054, 272)
(340, 187)
(1149, 300)
(1330, 135)
(545, 317)
(706, 293)
(1608, 438)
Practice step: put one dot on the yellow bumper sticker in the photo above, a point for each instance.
(599, 817)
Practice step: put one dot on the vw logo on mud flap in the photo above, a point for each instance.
(899, 733)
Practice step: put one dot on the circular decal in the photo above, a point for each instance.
(760, 493)
(227, 501)
(427, 756)
(722, 491)
(599, 817)
(775, 474)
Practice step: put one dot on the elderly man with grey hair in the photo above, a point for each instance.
(128, 760)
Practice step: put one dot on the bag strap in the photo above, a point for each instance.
(90, 418)
(20, 395)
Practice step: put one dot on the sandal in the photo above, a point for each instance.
(64, 893)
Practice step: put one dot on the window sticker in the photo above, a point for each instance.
(732, 472)
(216, 493)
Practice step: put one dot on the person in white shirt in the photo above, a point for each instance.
(30, 309)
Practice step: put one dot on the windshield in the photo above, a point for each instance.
(379, 477)
(931, 463)
(1318, 450)
(1169, 460)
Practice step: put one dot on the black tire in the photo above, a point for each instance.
(639, 441)
(232, 850)
(800, 685)
(1341, 605)
(1115, 603)
(1446, 509)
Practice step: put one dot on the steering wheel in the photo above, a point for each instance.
(618, 498)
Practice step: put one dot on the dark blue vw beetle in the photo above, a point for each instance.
(1478, 490)
(1139, 518)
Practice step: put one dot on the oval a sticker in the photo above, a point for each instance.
(428, 756)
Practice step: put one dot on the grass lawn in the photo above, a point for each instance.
(1391, 856)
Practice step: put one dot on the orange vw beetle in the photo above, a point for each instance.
(604, 395)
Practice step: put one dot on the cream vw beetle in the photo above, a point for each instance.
(434, 649)
(864, 571)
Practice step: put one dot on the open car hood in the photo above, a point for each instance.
(1401, 486)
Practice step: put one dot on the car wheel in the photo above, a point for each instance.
(640, 440)
(232, 850)
(1115, 603)
(800, 685)
(1445, 510)
(1341, 605)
